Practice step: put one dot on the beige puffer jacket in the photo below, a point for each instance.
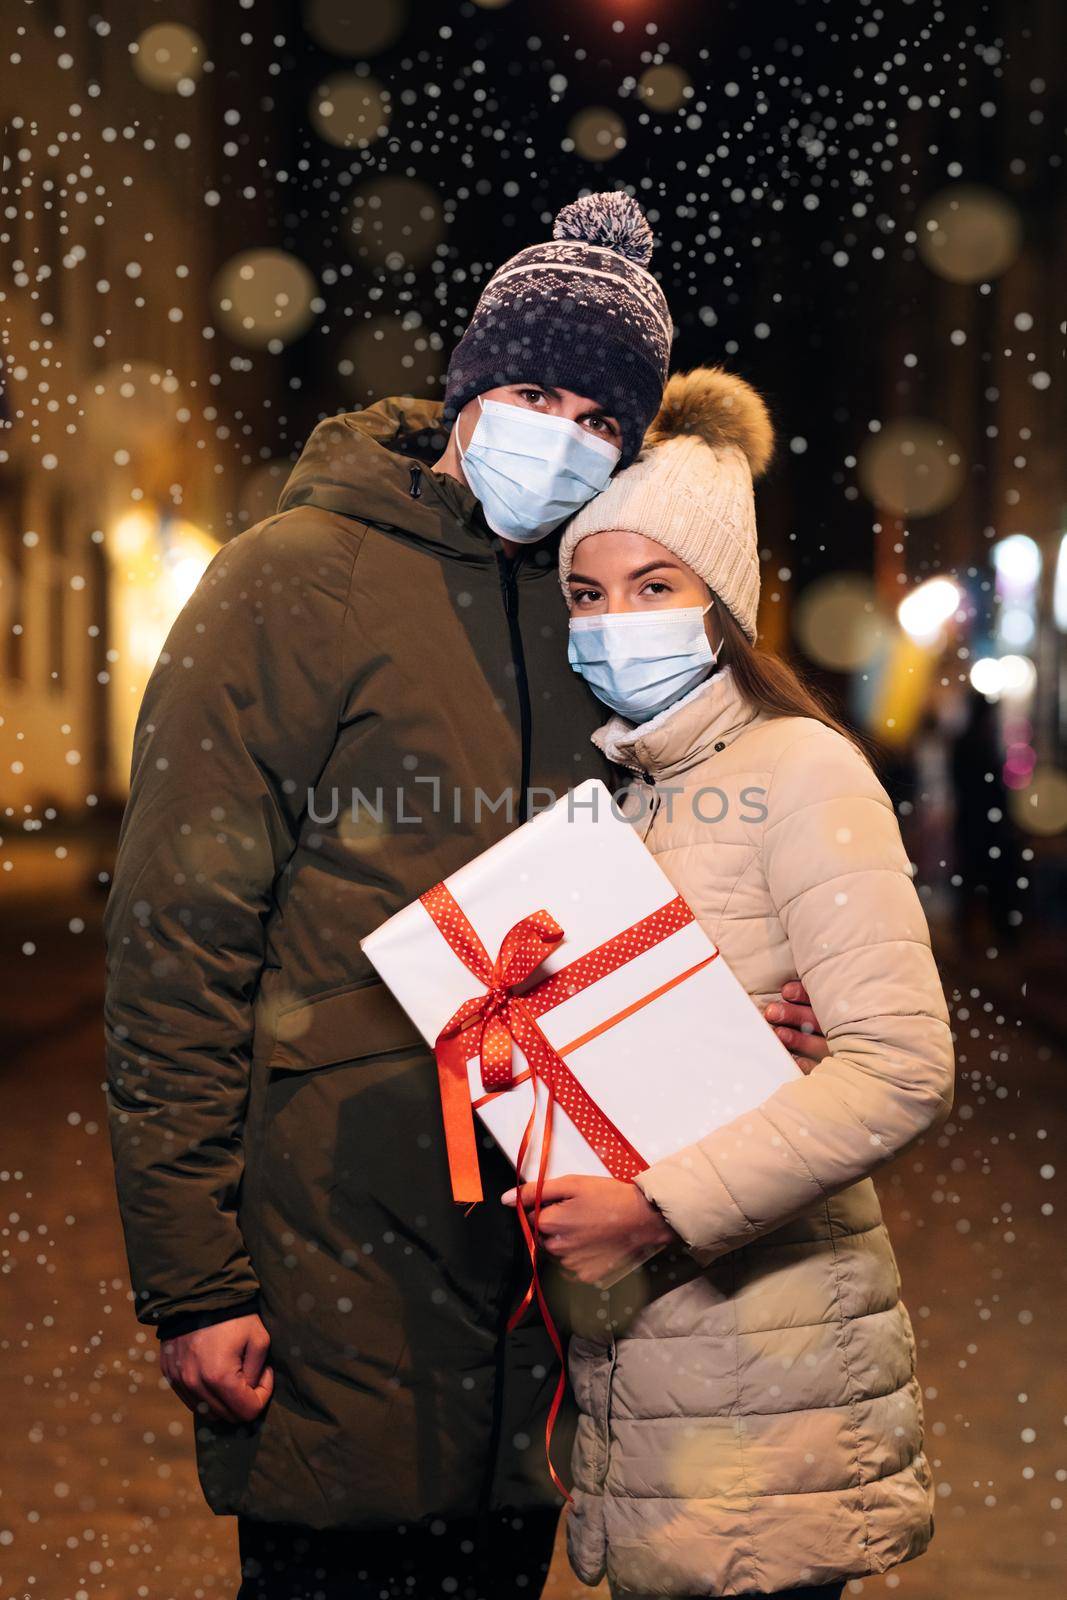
(760, 1427)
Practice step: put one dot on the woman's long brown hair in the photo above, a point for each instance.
(773, 686)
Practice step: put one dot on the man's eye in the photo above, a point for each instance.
(535, 394)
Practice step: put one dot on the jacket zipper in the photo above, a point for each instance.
(510, 594)
(496, 1426)
(609, 1385)
(654, 807)
(511, 611)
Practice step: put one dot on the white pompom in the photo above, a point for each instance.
(612, 219)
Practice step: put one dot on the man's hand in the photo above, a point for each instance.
(596, 1228)
(797, 1026)
(221, 1370)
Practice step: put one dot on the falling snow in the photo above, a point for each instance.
(210, 239)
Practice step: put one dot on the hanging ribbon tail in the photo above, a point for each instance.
(533, 1236)
(533, 1239)
(460, 1140)
(524, 1144)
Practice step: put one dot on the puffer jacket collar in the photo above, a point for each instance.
(711, 714)
(376, 466)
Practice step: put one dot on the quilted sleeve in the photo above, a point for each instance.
(238, 719)
(840, 881)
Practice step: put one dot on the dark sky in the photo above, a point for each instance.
(781, 192)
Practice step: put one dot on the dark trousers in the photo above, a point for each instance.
(506, 1556)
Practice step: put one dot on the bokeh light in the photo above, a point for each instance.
(597, 134)
(912, 467)
(1020, 760)
(169, 56)
(129, 537)
(258, 496)
(1041, 807)
(838, 622)
(1015, 626)
(985, 676)
(392, 356)
(924, 612)
(155, 565)
(1017, 560)
(1059, 588)
(350, 111)
(1018, 677)
(264, 297)
(396, 223)
(968, 233)
(131, 407)
(1012, 676)
(355, 27)
(664, 88)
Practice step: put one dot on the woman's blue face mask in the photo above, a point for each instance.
(531, 471)
(640, 662)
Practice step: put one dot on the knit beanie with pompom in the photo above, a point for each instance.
(582, 312)
(690, 489)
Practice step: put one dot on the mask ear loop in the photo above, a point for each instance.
(715, 652)
(459, 441)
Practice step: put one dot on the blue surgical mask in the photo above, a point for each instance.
(640, 662)
(531, 471)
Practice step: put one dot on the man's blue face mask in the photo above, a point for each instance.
(531, 471)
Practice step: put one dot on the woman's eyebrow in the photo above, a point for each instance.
(652, 566)
(638, 572)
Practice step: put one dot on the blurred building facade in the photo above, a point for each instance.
(970, 344)
(884, 267)
(117, 477)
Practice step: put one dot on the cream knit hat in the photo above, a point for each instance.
(690, 489)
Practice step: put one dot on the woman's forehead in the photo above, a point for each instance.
(622, 550)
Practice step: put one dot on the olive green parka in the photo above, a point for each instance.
(335, 723)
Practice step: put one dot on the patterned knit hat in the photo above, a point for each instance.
(581, 313)
(690, 489)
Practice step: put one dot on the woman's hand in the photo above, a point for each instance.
(797, 1026)
(596, 1228)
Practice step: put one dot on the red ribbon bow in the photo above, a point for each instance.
(497, 1013)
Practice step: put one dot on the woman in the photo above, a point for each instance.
(758, 1429)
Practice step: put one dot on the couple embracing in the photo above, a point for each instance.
(333, 1321)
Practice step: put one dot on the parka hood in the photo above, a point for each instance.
(376, 466)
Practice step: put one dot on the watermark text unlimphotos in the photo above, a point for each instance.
(404, 805)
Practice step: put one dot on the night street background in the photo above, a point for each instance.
(221, 223)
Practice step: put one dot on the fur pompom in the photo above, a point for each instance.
(719, 407)
(611, 219)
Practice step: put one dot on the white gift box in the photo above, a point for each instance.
(685, 1063)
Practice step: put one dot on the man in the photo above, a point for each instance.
(364, 692)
